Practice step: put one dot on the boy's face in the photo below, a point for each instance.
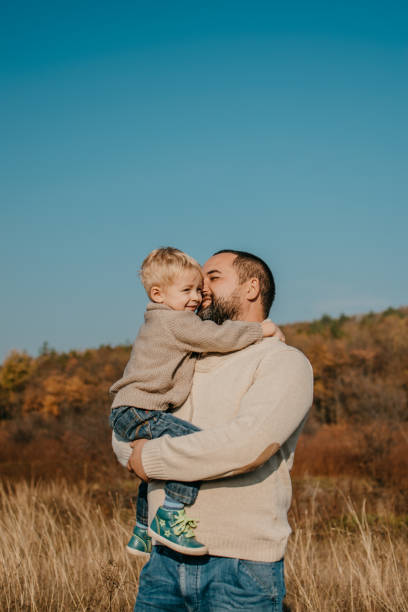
(185, 293)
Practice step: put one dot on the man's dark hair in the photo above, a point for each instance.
(250, 266)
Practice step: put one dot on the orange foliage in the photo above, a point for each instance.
(57, 405)
(360, 367)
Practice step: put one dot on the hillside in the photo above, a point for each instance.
(54, 407)
(360, 365)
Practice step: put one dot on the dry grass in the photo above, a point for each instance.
(357, 562)
(61, 550)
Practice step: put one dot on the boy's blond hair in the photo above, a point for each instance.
(163, 265)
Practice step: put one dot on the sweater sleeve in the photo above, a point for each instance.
(273, 408)
(199, 336)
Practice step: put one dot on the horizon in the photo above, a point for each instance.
(46, 348)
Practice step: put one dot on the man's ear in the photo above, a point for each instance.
(155, 295)
(253, 289)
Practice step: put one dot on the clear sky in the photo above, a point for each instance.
(274, 127)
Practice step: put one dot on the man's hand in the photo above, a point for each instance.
(135, 461)
(270, 329)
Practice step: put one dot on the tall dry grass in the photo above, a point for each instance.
(357, 562)
(61, 550)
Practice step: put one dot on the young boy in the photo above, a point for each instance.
(158, 378)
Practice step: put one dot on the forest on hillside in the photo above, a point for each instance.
(360, 367)
(54, 407)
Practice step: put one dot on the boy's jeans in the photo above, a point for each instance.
(129, 424)
(180, 583)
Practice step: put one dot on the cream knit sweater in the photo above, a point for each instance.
(160, 370)
(251, 406)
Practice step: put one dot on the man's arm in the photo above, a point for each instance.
(271, 410)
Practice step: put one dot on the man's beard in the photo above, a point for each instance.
(221, 309)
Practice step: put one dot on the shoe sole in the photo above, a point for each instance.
(194, 552)
(137, 553)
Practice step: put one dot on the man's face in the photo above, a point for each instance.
(221, 291)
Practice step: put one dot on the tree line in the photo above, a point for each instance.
(360, 367)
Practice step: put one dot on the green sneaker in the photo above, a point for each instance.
(175, 530)
(140, 544)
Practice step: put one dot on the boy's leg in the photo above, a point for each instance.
(166, 423)
(130, 423)
(126, 421)
(171, 526)
(142, 510)
(140, 543)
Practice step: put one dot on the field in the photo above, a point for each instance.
(67, 510)
(62, 549)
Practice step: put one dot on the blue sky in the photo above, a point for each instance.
(277, 128)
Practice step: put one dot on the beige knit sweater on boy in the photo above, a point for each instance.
(160, 370)
(251, 405)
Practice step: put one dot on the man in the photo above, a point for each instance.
(251, 406)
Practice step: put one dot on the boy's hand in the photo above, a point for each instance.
(270, 329)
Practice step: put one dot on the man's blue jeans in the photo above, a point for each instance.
(171, 582)
(129, 424)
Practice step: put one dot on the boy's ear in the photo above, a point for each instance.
(156, 295)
